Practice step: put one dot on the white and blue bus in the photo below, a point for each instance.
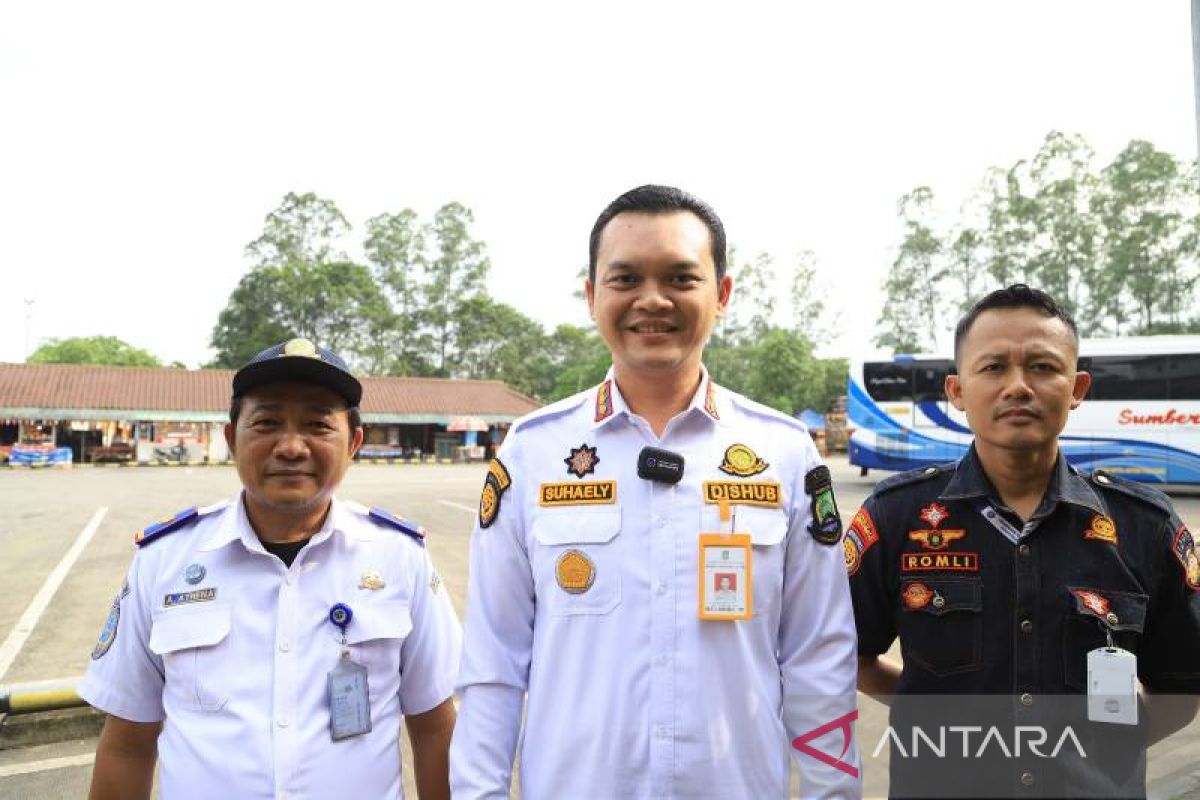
(1140, 419)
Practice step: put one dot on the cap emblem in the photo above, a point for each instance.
(300, 347)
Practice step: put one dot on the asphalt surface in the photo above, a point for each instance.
(42, 514)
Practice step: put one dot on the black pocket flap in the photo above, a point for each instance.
(1119, 611)
(939, 596)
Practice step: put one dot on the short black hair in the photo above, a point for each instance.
(1018, 295)
(235, 411)
(654, 199)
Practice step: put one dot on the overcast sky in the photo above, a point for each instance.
(141, 145)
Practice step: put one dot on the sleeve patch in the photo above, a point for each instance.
(1184, 548)
(860, 537)
(826, 525)
(494, 486)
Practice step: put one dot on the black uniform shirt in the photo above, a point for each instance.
(980, 614)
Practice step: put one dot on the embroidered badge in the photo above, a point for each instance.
(939, 562)
(860, 537)
(182, 598)
(916, 595)
(741, 461)
(1102, 528)
(1093, 602)
(933, 514)
(194, 573)
(575, 572)
(752, 493)
(826, 525)
(108, 634)
(604, 403)
(588, 493)
(936, 540)
(371, 580)
(1185, 550)
(710, 401)
(494, 485)
(582, 461)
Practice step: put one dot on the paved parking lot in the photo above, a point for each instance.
(44, 516)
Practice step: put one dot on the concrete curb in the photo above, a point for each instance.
(50, 727)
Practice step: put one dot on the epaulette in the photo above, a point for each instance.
(760, 410)
(390, 520)
(567, 404)
(178, 522)
(1147, 494)
(912, 476)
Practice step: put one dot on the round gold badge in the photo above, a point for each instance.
(300, 347)
(852, 556)
(1104, 527)
(740, 460)
(575, 572)
(489, 503)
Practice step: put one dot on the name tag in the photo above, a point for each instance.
(349, 700)
(725, 575)
(1112, 686)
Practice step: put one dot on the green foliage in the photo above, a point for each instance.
(107, 350)
(1118, 247)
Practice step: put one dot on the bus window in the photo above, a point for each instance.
(888, 382)
(1185, 377)
(929, 380)
(1128, 377)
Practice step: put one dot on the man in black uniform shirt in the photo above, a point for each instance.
(1001, 572)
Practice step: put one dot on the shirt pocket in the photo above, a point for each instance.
(942, 624)
(192, 642)
(766, 528)
(375, 637)
(577, 561)
(1092, 612)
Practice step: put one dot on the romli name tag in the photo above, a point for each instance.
(1112, 686)
(725, 575)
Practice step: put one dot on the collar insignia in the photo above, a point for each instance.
(582, 461)
(710, 401)
(604, 403)
(1103, 529)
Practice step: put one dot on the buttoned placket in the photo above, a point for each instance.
(663, 556)
(284, 690)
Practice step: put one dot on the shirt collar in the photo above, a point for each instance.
(608, 404)
(1066, 485)
(236, 526)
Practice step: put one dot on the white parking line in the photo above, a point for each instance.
(29, 620)
(47, 764)
(459, 506)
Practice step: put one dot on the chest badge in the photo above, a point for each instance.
(1102, 528)
(582, 461)
(371, 580)
(916, 595)
(1092, 602)
(194, 573)
(575, 572)
(934, 515)
(741, 461)
(936, 540)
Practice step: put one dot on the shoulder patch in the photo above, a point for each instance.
(1141, 491)
(389, 520)
(494, 486)
(160, 529)
(826, 525)
(564, 406)
(912, 476)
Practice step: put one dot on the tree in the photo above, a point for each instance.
(107, 350)
(494, 340)
(304, 229)
(395, 250)
(578, 359)
(455, 274)
(911, 315)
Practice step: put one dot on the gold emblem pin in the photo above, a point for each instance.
(1103, 529)
(300, 347)
(575, 572)
(371, 580)
(741, 461)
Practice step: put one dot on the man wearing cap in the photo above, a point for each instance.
(605, 526)
(268, 646)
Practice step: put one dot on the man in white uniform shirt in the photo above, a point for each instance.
(267, 647)
(592, 598)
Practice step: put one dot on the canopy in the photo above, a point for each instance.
(467, 424)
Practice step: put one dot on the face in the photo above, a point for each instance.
(656, 297)
(1017, 380)
(292, 445)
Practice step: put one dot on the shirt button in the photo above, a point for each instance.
(661, 661)
(1027, 699)
(284, 646)
(288, 579)
(938, 601)
(1111, 618)
(1023, 550)
(282, 722)
(662, 732)
(661, 589)
(1026, 626)
(1027, 779)
(661, 522)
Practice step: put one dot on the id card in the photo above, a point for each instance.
(725, 589)
(1112, 689)
(349, 700)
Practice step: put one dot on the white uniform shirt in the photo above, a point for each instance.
(241, 678)
(630, 695)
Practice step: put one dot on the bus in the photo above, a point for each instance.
(1140, 419)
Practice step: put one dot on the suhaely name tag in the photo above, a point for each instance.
(747, 493)
(182, 598)
(578, 494)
